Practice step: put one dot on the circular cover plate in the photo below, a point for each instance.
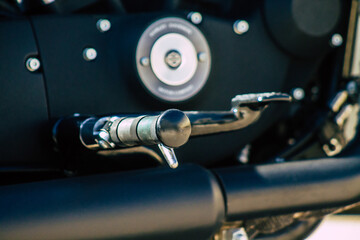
(163, 81)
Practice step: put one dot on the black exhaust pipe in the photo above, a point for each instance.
(273, 189)
(186, 203)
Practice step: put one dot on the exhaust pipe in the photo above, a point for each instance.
(185, 203)
(273, 189)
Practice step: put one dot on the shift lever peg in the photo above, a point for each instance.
(171, 128)
(168, 130)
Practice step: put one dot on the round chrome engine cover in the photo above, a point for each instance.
(177, 59)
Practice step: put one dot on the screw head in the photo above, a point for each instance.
(336, 40)
(103, 25)
(298, 94)
(241, 27)
(173, 59)
(202, 57)
(145, 61)
(89, 54)
(33, 64)
(195, 17)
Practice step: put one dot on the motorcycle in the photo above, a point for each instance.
(116, 121)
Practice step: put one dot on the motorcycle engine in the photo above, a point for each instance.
(64, 59)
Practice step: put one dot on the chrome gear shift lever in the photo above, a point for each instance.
(168, 130)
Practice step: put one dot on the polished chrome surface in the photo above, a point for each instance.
(169, 155)
(195, 17)
(173, 128)
(169, 129)
(298, 94)
(183, 68)
(241, 27)
(33, 64)
(245, 110)
(173, 59)
(336, 40)
(202, 57)
(103, 25)
(145, 61)
(89, 54)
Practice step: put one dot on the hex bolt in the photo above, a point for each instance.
(336, 40)
(89, 54)
(241, 27)
(103, 25)
(202, 57)
(195, 17)
(33, 64)
(298, 94)
(145, 61)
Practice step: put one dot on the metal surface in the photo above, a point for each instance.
(171, 128)
(280, 188)
(89, 54)
(33, 64)
(185, 80)
(145, 61)
(298, 93)
(338, 101)
(103, 25)
(138, 205)
(122, 92)
(169, 155)
(195, 17)
(241, 27)
(180, 72)
(336, 40)
(341, 127)
(112, 205)
(246, 109)
(48, 1)
(173, 59)
(202, 57)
